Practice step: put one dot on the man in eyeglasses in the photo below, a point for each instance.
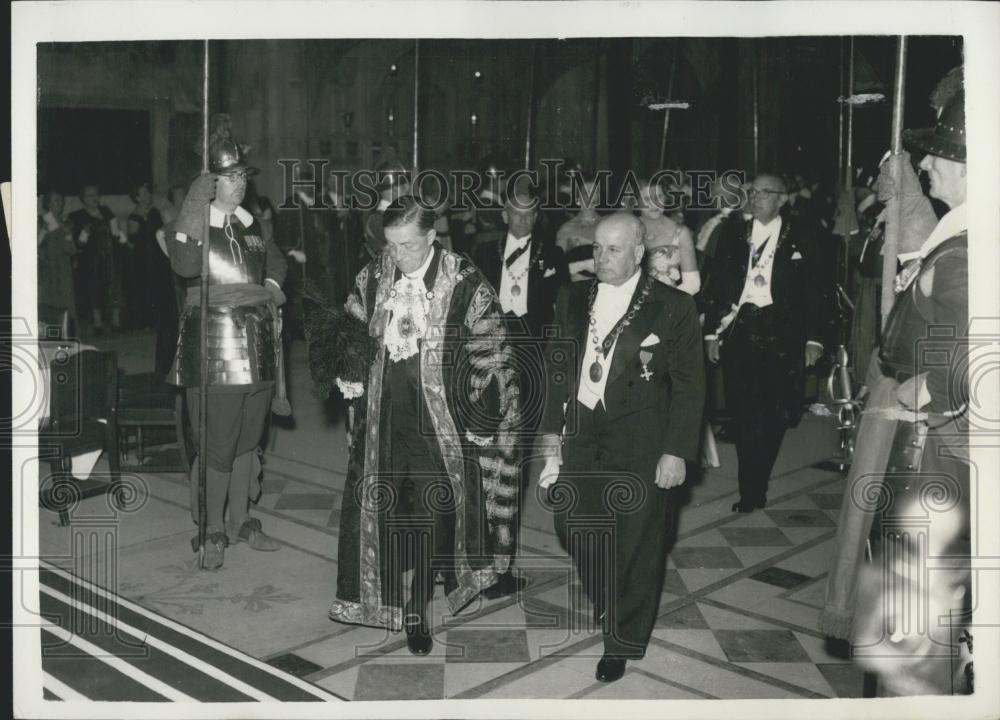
(246, 273)
(768, 313)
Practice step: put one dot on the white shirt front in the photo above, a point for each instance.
(408, 308)
(610, 305)
(760, 295)
(519, 269)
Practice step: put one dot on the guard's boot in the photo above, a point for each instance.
(251, 533)
(215, 551)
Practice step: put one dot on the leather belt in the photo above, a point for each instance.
(907, 447)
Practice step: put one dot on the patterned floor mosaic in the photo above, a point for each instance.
(737, 617)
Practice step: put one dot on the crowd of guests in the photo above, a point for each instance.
(699, 311)
(98, 276)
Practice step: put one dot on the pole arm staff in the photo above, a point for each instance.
(849, 160)
(416, 107)
(893, 216)
(756, 115)
(670, 97)
(849, 149)
(531, 107)
(840, 117)
(203, 337)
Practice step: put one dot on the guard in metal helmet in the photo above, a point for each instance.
(225, 159)
(913, 442)
(246, 273)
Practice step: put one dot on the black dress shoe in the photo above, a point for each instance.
(418, 635)
(760, 504)
(742, 507)
(507, 584)
(610, 668)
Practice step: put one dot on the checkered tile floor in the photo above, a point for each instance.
(737, 615)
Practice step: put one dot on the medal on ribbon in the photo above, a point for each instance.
(644, 357)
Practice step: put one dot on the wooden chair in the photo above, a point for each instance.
(83, 395)
(147, 406)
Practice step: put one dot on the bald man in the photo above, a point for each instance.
(768, 314)
(622, 415)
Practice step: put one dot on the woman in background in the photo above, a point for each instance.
(670, 258)
(670, 255)
(56, 250)
(96, 233)
(142, 285)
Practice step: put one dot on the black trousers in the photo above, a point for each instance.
(612, 520)
(758, 373)
(419, 524)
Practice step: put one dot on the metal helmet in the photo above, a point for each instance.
(224, 158)
(947, 138)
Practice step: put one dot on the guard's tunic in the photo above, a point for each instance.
(241, 341)
(908, 490)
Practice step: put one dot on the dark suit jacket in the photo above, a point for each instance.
(646, 418)
(802, 284)
(545, 276)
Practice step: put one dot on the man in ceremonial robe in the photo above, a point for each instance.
(432, 475)
(622, 414)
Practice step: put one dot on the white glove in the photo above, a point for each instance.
(550, 473)
(297, 255)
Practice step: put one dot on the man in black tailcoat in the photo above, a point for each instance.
(768, 314)
(622, 415)
(526, 269)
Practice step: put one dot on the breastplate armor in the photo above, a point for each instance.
(240, 340)
(238, 258)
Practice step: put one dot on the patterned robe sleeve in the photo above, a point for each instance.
(486, 382)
